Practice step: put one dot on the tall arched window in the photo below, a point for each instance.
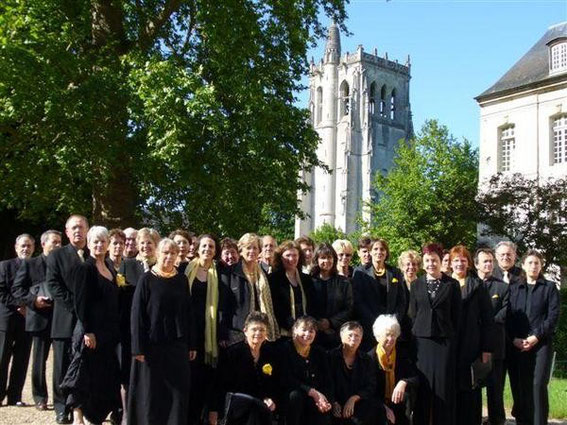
(383, 101)
(319, 109)
(393, 105)
(345, 99)
(372, 99)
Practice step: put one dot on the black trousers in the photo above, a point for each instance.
(301, 410)
(40, 352)
(15, 345)
(469, 407)
(61, 359)
(529, 376)
(366, 412)
(495, 393)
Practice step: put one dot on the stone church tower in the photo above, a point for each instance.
(360, 108)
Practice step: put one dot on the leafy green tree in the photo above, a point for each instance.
(429, 194)
(327, 233)
(529, 212)
(172, 112)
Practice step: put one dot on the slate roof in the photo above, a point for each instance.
(532, 68)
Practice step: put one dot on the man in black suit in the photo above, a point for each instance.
(506, 270)
(499, 296)
(60, 264)
(30, 290)
(15, 343)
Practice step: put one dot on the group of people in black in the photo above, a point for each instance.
(187, 330)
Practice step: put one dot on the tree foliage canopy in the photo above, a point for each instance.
(167, 111)
(529, 212)
(429, 194)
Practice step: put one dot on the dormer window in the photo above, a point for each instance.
(558, 56)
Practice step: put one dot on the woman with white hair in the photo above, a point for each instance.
(344, 250)
(92, 382)
(396, 375)
(161, 322)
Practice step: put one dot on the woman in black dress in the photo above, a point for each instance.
(209, 298)
(292, 290)
(396, 375)
(130, 272)
(332, 301)
(533, 313)
(249, 367)
(249, 289)
(92, 381)
(161, 320)
(435, 307)
(354, 381)
(476, 332)
(307, 380)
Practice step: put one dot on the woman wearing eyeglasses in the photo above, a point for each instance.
(344, 250)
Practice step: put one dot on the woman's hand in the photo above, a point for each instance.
(337, 410)
(390, 415)
(270, 404)
(213, 418)
(192, 355)
(140, 357)
(90, 341)
(320, 400)
(348, 410)
(530, 342)
(399, 392)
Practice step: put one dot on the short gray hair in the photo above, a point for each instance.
(45, 235)
(167, 243)
(25, 235)
(97, 232)
(386, 323)
(509, 244)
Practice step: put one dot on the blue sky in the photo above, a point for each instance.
(457, 48)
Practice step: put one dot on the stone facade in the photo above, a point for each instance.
(360, 108)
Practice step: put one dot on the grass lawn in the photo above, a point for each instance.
(557, 398)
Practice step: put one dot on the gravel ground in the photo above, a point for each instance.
(29, 415)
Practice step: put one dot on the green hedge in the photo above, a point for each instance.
(560, 340)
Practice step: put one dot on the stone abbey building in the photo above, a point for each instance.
(360, 108)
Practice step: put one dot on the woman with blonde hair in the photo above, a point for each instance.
(409, 262)
(249, 289)
(345, 251)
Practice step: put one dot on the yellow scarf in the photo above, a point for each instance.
(146, 262)
(257, 279)
(388, 364)
(292, 297)
(211, 308)
(166, 275)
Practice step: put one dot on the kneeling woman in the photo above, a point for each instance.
(354, 379)
(308, 384)
(250, 368)
(396, 374)
(159, 385)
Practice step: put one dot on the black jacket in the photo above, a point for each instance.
(515, 273)
(337, 308)
(280, 287)
(405, 371)
(362, 380)
(368, 305)
(541, 320)
(476, 329)
(58, 276)
(498, 291)
(8, 303)
(28, 285)
(440, 317)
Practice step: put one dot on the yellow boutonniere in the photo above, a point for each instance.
(120, 280)
(394, 280)
(267, 369)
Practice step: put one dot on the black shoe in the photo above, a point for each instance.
(63, 418)
(17, 403)
(41, 406)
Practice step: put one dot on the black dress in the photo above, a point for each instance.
(435, 310)
(239, 373)
(161, 319)
(332, 301)
(533, 310)
(360, 379)
(301, 375)
(92, 382)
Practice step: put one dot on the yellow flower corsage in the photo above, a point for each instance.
(394, 280)
(120, 280)
(267, 369)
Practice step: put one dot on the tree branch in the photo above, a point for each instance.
(154, 26)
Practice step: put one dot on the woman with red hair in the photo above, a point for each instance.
(475, 334)
(435, 307)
